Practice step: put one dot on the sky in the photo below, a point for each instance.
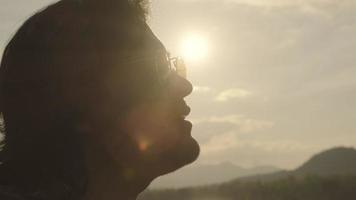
(277, 84)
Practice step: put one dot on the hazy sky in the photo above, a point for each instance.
(279, 82)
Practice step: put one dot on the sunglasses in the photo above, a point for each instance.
(177, 65)
(162, 62)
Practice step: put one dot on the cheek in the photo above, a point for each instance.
(152, 129)
(155, 135)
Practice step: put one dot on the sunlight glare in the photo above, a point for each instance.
(194, 47)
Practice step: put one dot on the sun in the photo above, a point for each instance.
(194, 47)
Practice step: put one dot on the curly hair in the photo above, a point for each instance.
(49, 77)
(142, 6)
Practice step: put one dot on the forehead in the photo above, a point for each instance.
(151, 43)
(138, 44)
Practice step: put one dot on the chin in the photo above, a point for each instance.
(185, 153)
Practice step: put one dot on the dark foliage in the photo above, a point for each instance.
(291, 188)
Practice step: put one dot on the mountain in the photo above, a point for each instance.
(336, 161)
(198, 175)
(330, 175)
(303, 188)
(332, 162)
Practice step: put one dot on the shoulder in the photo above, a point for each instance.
(11, 193)
(7, 193)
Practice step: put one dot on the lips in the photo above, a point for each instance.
(185, 111)
(182, 110)
(182, 113)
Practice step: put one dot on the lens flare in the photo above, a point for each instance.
(143, 145)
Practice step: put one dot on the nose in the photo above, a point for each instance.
(180, 86)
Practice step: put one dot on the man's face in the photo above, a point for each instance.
(157, 137)
(160, 131)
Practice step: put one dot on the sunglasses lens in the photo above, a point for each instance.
(165, 65)
(180, 67)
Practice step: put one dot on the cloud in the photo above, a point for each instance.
(240, 123)
(304, 4)
(231, 140)
(249, 155)
(231, 147)
(202, 89)
(235, 93)
(220, 143)
(282, 3)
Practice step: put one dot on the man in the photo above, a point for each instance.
(92, 105)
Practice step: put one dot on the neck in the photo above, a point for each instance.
(109, 180)
(103, 185)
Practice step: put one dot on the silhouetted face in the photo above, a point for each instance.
(153, 137)
(160, 131)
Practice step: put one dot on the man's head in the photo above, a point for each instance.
(146, 109)
(78, 78)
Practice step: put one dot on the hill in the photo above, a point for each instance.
(307, 188)
(336, 161)
(200, 175)
(329, 175)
